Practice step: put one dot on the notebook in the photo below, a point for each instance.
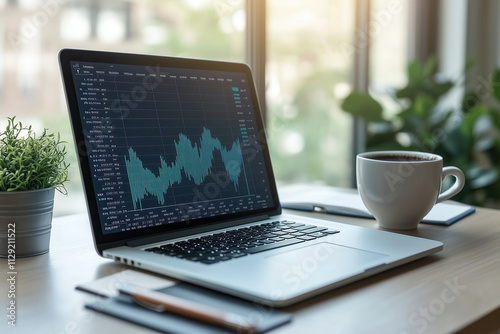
(119, 306)
(178, 180)
(347, 202)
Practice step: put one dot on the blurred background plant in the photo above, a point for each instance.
(467, 137)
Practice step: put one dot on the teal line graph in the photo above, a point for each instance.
(196, 162)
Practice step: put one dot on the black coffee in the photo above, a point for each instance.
(401, 157)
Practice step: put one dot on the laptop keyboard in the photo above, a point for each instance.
(233, 244)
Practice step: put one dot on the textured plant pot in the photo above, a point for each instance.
(25, 222)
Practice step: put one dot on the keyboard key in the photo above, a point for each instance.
(294, 225)
(305, 227)
(306, 238)
(170, 254)
(275, 245)
(236, 248)
(236, 255)
(256, 243)
(316, 234)
(207, 261)
(313, 230)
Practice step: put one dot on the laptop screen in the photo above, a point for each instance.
(166, 145)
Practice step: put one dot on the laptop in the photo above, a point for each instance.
(178, 181)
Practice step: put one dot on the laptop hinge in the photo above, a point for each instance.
(192, 231)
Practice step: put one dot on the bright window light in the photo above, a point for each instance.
(111, 26)
(75, 24)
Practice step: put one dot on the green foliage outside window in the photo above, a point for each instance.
(468, 138)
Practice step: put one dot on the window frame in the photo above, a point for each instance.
(256, 59)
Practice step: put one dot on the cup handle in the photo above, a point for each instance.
(457, 186)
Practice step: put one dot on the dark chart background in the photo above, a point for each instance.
(166, 145)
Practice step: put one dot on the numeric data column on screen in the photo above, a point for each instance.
(102, 113)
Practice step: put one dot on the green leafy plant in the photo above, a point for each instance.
(28, 162)
(467, 137)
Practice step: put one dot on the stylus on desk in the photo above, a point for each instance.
(162, 302)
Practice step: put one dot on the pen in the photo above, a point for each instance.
(162, 302)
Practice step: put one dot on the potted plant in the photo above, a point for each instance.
(466, 136)
(31, 169)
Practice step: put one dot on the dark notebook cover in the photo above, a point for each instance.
(122, 307)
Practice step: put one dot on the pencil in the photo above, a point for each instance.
(162, 302)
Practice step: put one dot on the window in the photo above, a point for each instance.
(75, 24)
(33, 31)
(309, 61)
(307, 76)
(452, 45)
(388, 52)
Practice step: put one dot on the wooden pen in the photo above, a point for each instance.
(162, 302)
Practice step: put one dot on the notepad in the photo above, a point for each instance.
(118, 306)
(347, 202)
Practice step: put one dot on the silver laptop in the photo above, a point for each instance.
(178, 181)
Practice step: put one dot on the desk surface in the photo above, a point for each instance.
(454, 290)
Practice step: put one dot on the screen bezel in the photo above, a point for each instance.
(103, 241)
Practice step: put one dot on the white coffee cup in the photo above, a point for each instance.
(399, 188)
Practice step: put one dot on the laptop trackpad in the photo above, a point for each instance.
(332, 259)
